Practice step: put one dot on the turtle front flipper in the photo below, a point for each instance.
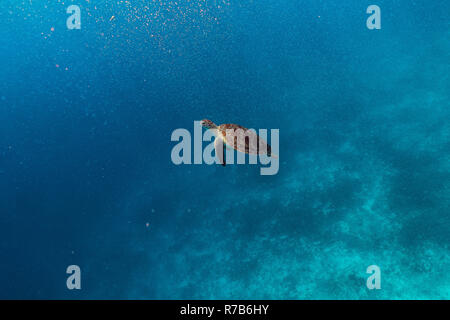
(220, 150)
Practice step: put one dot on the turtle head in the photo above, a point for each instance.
(208, 124)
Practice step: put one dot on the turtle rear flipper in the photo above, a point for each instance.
(220, 150)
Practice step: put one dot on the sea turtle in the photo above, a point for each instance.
(238, 138)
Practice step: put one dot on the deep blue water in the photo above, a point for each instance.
(85, 123)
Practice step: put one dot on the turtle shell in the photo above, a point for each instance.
(243, 139)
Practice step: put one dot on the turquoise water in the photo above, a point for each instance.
(86, 176)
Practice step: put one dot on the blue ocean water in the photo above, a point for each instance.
(86, 176)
